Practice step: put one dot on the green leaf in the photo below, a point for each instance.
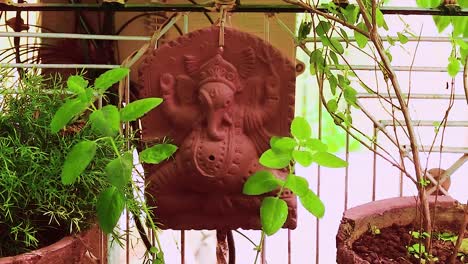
(316, 145)
(106, 121)
(297, 185)
(302, 157)
(367, 88)
(350, 96)
(313, 204)
(274, 160)
(157, 153)
(119, 170)
(77, 160)
(344, 35)
(317, 62)
(390, 40)
(334, 58)
(428, 3)
(361, 39)
(300, 128)
(460, 26)
(328, 160)
(464, 246)
(273, 214)
(453, 66)
(137, 109)
(87, 96)
(283, 144)
(110, 77)
(322, 28)
(402, 38)
(334, 44)
(442, 22)
(76, 84)
(460, 42)
(332, 105)
(389, 55)
(333, 84)
(379, 17)
(351, 12)
(261, 182)
(109, 207)
(66, 113)
(304, 30)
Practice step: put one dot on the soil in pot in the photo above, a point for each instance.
(390, 246)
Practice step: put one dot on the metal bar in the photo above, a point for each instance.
(319, 169)
(414, 96)
(127, 237)
(222, 250)
(397, 68)
(425, 148)
(450, 171)
(245, 8)
(346, 171)
(58, 66)
(73, 36)
(401, 176)
(424, 123)
(289, 246)
(263, 251)
(374, 163)
(385, 38)
(182, 246)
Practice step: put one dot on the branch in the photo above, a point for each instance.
(326, 15)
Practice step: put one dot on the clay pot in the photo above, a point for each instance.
(401, 211)
(83, 248)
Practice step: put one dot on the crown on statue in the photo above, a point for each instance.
(218, 69)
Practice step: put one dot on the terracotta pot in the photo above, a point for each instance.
(401, 211)
(83, 248)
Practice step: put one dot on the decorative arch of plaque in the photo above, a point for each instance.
(221, 106)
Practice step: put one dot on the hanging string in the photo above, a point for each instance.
(229, 4)
(222, 22)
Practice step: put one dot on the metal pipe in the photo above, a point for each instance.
(425, 123)
(414, 96)
(245, 8)
(397, 68)
(72, 36)
(444, 149)
(385, 38)
(374, 163)
(58, 66)
(450, 171)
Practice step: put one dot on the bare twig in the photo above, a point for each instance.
(461, 234)
(313, 9)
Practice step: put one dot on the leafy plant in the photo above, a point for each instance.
(106, 124)
(339, 81)
(284, 153)
(418, 251)
(36, 209)
(374, 230)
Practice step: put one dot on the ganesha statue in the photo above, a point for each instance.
(221, 107)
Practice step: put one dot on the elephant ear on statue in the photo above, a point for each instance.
(221, 107)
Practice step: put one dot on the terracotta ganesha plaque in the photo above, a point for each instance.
(221, 107)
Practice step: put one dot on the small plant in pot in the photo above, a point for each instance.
(338, 84)
(66, 166)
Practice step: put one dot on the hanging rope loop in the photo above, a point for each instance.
(222, 24)
(225, 4)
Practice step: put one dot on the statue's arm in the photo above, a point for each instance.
(182, 115)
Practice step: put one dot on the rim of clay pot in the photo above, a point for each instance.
(384, 213)
(69, 249)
